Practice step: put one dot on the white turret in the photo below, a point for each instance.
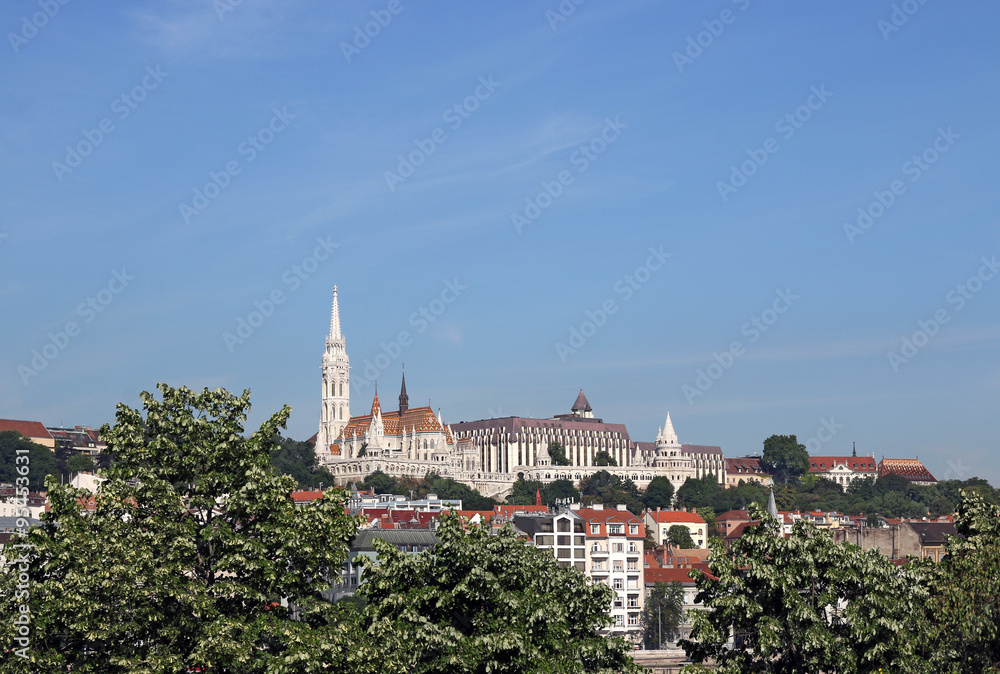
(336, 407)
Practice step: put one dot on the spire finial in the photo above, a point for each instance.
(335, 317)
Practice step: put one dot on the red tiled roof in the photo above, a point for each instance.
(668, 576)
(307, 496)
(749, 465)
(608, 515)
(912, 469)
(733, 515)
(668, 516)
(29, 429)
(822, 464)
(511, 510)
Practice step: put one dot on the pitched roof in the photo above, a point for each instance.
(671, 516)
(701, 449)
(29, 429)
(912, 469)
(933, 533)
(822, 464)
(421, 419)
(581, 404)
(733, 515)
(511, 510)
(668, 576)
(746, 464)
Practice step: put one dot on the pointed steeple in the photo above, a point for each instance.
(667, 435)
(376, 408)
(772, 507)
(335, 317)
(404, 400)
(855, 452)
(581, 404)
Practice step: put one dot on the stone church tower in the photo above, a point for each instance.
(336, 410)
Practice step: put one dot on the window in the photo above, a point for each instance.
(595, 529)
(633, 583)
(633, 618)
(632, 547)
(633, 601)
(618, 567)
(633, 529)
(633, 565)
(618, 584)
(618, 602)
(618, 547)
(616, 529)
(619, 621)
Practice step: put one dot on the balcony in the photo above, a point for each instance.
(598, 552)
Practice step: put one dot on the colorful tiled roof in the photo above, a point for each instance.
(912, 469)
(671, 516)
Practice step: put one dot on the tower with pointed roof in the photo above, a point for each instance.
(404, 399)
(582, 408)
(336, 368)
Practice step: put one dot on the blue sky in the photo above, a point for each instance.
(657, 202)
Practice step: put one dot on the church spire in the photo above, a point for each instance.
(668, 435)
(335, 317)
(404, 400)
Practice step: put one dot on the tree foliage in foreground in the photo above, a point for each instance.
(190, 566)
(480, 603)
(783, 599)
(783, 602)
(662, 615)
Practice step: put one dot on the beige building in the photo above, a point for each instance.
(33, 430)
(658, 523)
(746, 469)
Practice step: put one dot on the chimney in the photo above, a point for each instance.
(598, 506)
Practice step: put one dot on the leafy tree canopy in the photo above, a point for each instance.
(298, 459)
(784, 457)
(486, 603)
(558, 454)
(603, 458)
(190, 567)
(784, 600)
(659, 493)
(662, 615)
(679, 536)
(611, 490)
(41, 462)
(80, 463)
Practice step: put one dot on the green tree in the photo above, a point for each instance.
(659, 493)
(524, 491)
(961, 632)
(447, 488)
(481, 603)
(679, 536)
(298, 459)
(188, 556)
(558, 454)
(784, 457)
(80, 463)
(381, 483)
(782, 599)
(711, 524)
(559, 489)
(611, 490)
(40, 462)
(602, 458)
(662, 615)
